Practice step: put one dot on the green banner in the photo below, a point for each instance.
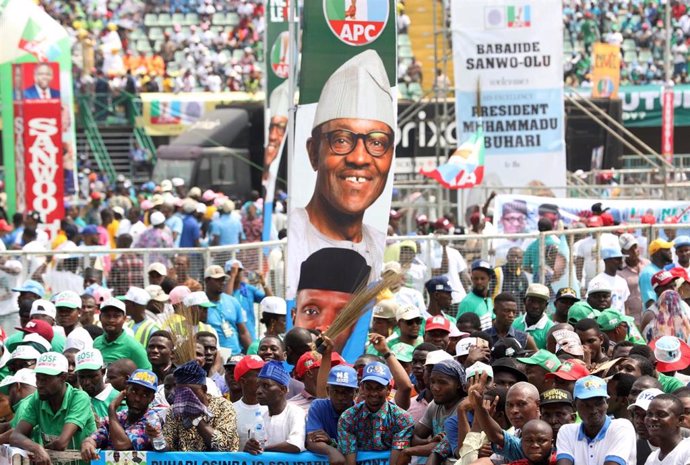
(642, 105)
(276, 45)
(335, 31)
(31, 35)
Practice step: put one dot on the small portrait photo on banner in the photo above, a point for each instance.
(350, 151)
(41, 81)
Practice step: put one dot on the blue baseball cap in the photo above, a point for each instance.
(230, 263)
(31, 286)
(342, 375)
(681, 241)
(145, 378)
(439, 283)
(89, 230)
(377, 372)
(611, 252)
(482, 265)
(589, 387)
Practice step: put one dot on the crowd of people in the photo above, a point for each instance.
(125, 46)
(479, 364)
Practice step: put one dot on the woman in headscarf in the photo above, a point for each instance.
(670, 318)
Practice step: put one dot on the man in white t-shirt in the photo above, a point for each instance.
(681, 246)
(663, 420)
(613, 261)
(284, 422)
(587, 255)
(246, 373)
(68, 307)
(598, 439)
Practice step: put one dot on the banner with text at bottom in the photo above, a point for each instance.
(513, 51)
(228, 458)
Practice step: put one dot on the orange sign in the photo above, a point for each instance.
(606, 70)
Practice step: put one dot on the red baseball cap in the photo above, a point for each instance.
(595, 222)
(648, 219)
(671, 354)
(679, 272)
(40, 327)
(306, 362)
(248, 363)
(662, 278)
(570, 370)
(437, 322)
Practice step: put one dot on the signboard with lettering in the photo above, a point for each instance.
(511, 54)
(606, 70)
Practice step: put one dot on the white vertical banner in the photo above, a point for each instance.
(512, 52)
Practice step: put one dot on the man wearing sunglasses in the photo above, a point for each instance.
(351, 149)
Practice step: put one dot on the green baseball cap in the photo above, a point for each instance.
(581, 310)
(610, 319)
(403, 352)
(542, 358)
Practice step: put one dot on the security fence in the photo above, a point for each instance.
(121, 268)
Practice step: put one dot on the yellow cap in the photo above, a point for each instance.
(659, 244)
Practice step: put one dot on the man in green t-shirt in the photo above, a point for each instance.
(61, 413)
(114, 343)
(478, 300)
(534, 321)
(91, 373)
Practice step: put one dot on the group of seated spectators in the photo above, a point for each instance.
(120, 43)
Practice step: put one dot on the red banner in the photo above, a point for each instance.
(667, 124)
(38, 135)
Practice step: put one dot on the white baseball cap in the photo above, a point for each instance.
(43, 307)
(177, 182)
(598, 284)
(627, 240)
(645, 398)
(407, 312)
(158, 268)
(157, 293)
(89, 359)
(166, 185)
(137, 295)
(478, 368)
(436, 356)
(463, 346)
(114, 302)
(38, 339)
(273, 305)
(25, 353)
(24, 376)
(197, 298)
(157, 218)
(68, 299)
(51, 363)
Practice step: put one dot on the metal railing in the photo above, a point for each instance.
(93, 136)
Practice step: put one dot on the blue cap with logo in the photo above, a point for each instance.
(438, 284)
(377, 372)
(31, 286)
(144, 378)
(589, 387)
(342, 375)
(482, 265)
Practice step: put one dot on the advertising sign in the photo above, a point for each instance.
(512, 52)
(341, 179)
(606, 70)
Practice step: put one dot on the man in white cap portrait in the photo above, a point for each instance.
(351, 150)
(278, 106)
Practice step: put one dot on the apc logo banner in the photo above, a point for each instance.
(356, 22)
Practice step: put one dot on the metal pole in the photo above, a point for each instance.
(667, 46)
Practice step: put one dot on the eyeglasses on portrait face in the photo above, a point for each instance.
(343, 141)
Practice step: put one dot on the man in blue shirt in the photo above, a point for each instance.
(226, 315)
(173, 221)
(246, 294)
(226, 229)
(191, 229)
(660, 255)
(323, 416)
